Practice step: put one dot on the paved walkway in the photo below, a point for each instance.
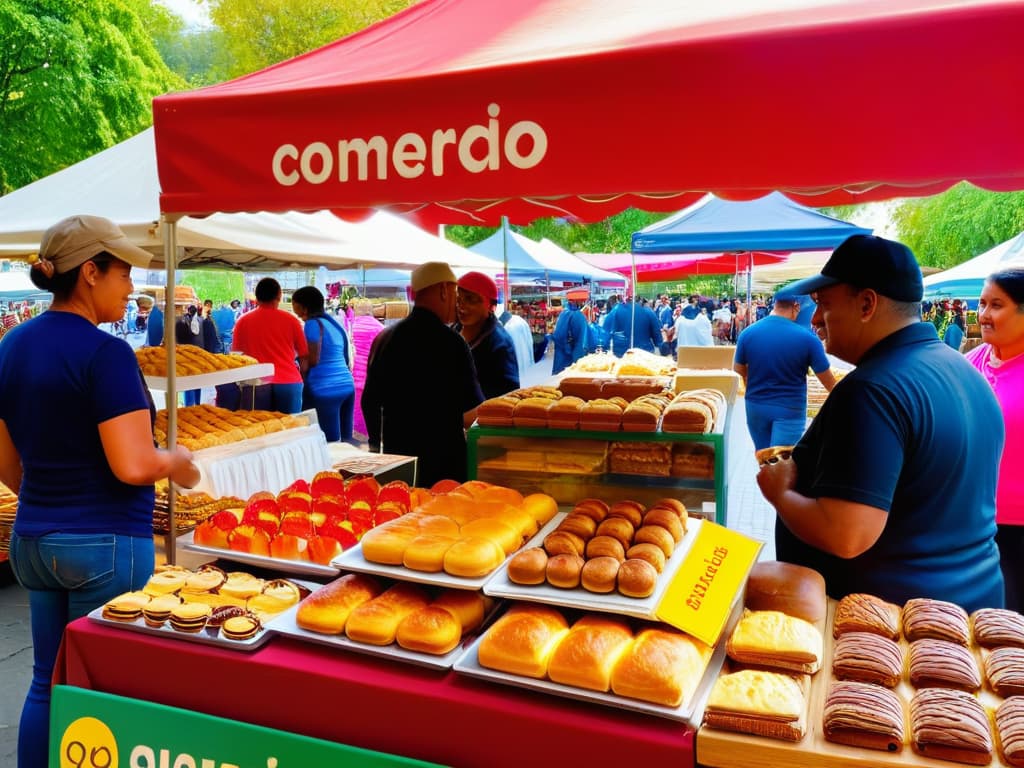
(749, 513)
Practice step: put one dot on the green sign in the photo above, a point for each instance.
(98, 730)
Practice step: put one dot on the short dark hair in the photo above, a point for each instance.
(267, 289)
(1010, 282)
(310, 298)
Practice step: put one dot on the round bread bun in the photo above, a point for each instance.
(564, 571)
(563, 543)
(429, 630)
(581, 525)
(595, 509)
(650, 552)
(667, 520)
(473, 557)
(385, 545)
(503, 534)
(426, 552)
(598, 574)
(630, 510)
(792, 589)
(528, 566)
(637, 578)
(618, 528)
(655, 534)
(439, 524)
(675, 505)
(541, 506)
(606, 546)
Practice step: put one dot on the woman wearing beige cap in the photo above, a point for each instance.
(76, 444)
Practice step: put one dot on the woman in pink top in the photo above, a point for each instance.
(1001, 360)
(364, 328)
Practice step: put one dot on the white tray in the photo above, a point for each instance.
(284, 624)
(297, 567)
(245, 373)
(469, 664)
(610, 602)
(353, 560)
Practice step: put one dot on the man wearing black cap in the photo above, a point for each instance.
(891, 491)
(421, 381)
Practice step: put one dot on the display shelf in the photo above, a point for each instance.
(568, 486)
(214, 378)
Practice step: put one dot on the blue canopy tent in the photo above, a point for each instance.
(522, 257)
(966, 280)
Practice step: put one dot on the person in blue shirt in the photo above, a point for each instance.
(76, 445)
(772, 356)
(329, 386)
(570, 338)
(155, 326)
(954, 335)
(224, 318)
(892, 489)
(626, 330)
(494, 355)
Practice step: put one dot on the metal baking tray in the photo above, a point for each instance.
(296, 567)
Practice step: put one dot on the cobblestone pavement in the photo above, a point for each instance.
(749, 513)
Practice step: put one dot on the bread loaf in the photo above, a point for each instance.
(661, 666)
(521, 642)
(376, 621)
(327, 609)
(792, 589)
(587, 655)
(429, 630)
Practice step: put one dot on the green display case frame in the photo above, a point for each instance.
(476, 433)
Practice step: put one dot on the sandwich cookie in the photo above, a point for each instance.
(189, 617)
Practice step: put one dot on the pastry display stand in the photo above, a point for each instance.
(246, 375)
(569, 487)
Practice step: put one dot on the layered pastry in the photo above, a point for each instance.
(695, 411)
(219, 615)
(522, 641)
(942, 664)
(865, 657)
(997, 627)
(950, 725)
(859, 612)
(864, 715)
(644, 413)
(158, 610)
(1009, 721)
(761, 703)
(1004, 670)
(189, 617)
(587, 655)
(661, 666)
(693, 460)
(937, 619)
(126, 607)
(793, 589)
(774, 640)
(634, 458)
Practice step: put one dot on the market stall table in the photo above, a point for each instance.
(361, 701)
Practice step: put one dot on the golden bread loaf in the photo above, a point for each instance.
(775, 640)
(429, 630)
(757, 692)
(587, 655)
(473, 557)
(521, 642)
(376, 621)
(466, 605)
(661, 666)
(793, 589)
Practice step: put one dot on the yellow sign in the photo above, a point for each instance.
(701, 596)
(88, 743)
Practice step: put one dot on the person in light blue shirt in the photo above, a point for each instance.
(224, 319)
(155, 327)
(954, 335)
(570, 338)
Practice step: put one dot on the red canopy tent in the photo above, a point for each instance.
(658, 269)
(462, 111)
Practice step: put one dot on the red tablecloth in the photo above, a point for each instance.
(363, 701)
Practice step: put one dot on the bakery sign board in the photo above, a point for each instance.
(89, 729)
(704, 590)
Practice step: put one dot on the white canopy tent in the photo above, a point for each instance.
(965, 281)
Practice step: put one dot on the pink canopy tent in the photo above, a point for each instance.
(462, 111)
(658, 269)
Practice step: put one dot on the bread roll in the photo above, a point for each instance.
(426, 552)
(386, 545)
(528, 566)
(618, 528)
(467, 605)
(792, 589)
(668, 520)
(633, 511)
(578, 524)
(655, 534)
(564, 571)
(376, 621)
(521, 642)
(587, 655)
(429, 630)
(598, 574)
(605, 546)
(661, 666)
(595, 509)
(673, 505)
(501, 533)
(637, 578)
(327, 609)
(563, 543)
(473, 557)
(650, 552)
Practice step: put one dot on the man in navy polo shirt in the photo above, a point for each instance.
(891, 491)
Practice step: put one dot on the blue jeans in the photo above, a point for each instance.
(774, 424)
(333, 413)
(193, 396)
(67, 575)
(286, 398)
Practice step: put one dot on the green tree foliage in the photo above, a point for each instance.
(948, 229)
(218, 285)
(258, 33)
(76, 76)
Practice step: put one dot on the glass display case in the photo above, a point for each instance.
(573, 464)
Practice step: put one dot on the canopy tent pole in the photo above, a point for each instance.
(632, 289)
(504, 259)
(750, 277)
(170, 230)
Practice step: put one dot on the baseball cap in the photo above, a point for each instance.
(867, 261)
(73, 241)
(431, 273)
(481, 284)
